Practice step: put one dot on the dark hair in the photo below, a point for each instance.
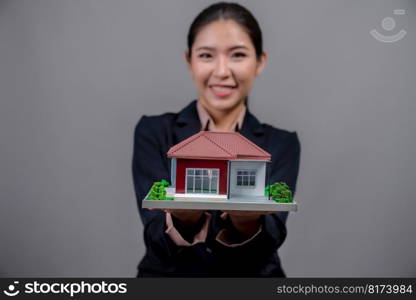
(227, 11)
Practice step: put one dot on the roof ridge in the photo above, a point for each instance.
(241, 136)
(182, 144)
(255, 146)
(228, 149)
(234, 155)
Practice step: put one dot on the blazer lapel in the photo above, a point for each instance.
(253, 130)
(187, 123)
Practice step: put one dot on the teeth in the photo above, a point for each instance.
(221, 88)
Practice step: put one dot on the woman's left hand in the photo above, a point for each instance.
(247, 222)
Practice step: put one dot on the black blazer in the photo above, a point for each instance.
(153, 137)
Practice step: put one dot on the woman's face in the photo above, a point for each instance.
(224, 65)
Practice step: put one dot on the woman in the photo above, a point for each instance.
(224, 56)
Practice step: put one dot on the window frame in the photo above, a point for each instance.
(248, 177)
(201, 177)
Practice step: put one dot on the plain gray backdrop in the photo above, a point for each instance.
(75, 77)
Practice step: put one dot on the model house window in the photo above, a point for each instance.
(204, 181)
(246, 178)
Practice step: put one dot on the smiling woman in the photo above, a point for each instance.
(224, 56)
(224, 65)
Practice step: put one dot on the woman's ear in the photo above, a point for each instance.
(187, 59)
(261, 63)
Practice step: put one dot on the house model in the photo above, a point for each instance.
(218, 170)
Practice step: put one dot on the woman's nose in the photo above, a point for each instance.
(221, 68)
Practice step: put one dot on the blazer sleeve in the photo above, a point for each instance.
(284, 168)
(255, 255)
(163, 256)
(149, 165)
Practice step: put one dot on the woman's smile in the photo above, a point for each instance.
(222, 91)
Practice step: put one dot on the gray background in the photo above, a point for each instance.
(75, 77)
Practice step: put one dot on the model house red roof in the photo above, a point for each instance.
(218, 145)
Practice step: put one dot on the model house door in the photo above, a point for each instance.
(202, 181)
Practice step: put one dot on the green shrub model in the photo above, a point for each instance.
(158, 191)
(279, 192)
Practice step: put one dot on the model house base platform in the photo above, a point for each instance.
(236, 203)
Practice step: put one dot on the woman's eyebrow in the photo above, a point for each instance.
(205, 48)
(213, 49)
(238, 47)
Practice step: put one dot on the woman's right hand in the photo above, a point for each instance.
(188, 217)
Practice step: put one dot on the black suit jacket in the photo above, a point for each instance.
(153, 137)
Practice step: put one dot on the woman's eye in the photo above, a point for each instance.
(239, 54)
(204, 55)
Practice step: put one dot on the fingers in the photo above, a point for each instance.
(174, 210)
(248, 213)
(193, 211)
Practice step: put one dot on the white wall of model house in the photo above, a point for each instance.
(260, 182)
(173, 172)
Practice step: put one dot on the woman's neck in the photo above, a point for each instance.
(224, 119)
